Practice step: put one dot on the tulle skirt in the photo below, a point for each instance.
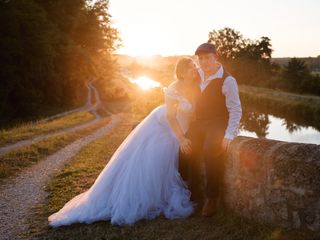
(141, 180)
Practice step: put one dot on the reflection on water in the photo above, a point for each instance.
(145, 83)
(255, 122)
(280, 120)
(262, 125)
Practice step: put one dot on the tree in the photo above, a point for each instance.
(248, 60)
(295, 73)
(228, 42)
(49, 49)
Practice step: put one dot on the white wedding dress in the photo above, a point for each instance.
(141, 180)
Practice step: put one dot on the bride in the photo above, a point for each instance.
(141, 180)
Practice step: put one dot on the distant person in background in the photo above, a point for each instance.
(217, 117)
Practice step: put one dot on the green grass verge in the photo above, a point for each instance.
(16, 160)
(80, 173)
(28, 130)
(277, 94)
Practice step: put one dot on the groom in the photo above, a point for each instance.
(217, 116)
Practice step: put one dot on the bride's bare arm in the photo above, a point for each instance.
(185, 143)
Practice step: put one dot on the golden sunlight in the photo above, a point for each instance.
(145, 83)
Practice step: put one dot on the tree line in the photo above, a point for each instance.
(250, 62)
(49, 49)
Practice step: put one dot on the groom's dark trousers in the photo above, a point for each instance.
(206, 147)
(206, 134)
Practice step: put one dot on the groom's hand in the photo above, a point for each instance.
(226, 144)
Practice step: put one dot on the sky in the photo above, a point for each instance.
(177, 27)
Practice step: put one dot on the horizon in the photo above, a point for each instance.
(164, 56)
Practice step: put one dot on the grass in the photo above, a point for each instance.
(28, 130)
(16, 160)
(272, 94)
(80, 173)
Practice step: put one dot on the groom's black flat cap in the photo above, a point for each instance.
(205, 48)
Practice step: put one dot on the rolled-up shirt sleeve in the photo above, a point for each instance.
(231, 92)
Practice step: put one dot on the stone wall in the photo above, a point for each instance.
(274, 182)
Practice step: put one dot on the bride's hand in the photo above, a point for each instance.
(185, 145)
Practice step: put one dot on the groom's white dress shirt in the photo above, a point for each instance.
(230, 90)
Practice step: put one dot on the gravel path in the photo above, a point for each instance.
(19, 194)
(86, 107)
(90, 107)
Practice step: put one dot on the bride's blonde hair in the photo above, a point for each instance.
(181, 67)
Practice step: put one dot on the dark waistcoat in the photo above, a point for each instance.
(211, 104)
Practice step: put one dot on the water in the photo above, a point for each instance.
(276, 129)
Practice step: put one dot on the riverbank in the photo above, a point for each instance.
(264, 92)
(303, 110)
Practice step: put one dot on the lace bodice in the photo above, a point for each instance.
(185, 108)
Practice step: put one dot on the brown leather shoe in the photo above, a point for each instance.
(210, 207)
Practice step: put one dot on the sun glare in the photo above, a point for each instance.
(145, 83)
